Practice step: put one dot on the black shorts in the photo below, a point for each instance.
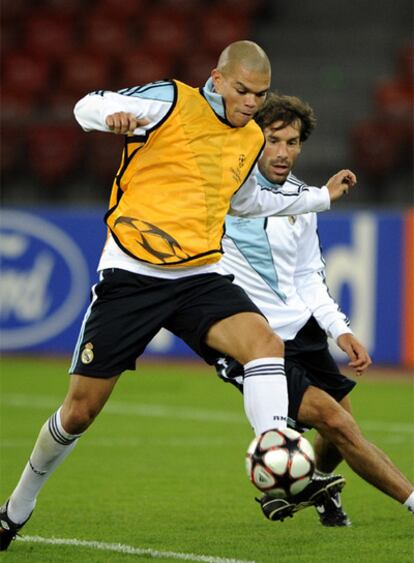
(127, 310)
(307, 362)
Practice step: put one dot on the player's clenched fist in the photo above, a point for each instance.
(339, 183)
(123, 123)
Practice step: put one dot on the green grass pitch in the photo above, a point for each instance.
(160, 475)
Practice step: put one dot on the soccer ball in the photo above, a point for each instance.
(280, 462)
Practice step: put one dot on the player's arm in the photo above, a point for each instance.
(311, 286)
(357, 353)
(124, 113)
(124, 122)
(314, 292)
(339, 184)
(252, 200)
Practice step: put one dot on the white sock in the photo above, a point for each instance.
(409, 503)
(53, 445)
(265, 394)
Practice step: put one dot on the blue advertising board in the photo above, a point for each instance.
(47, 264)
(364, 258)
(49, 259)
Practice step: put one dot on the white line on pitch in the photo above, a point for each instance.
(133, 409)
(186, 413)
(130, 550)
(389, 427)
(135, 442)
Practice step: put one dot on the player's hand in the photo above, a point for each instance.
(122, 122)
(339, 184)
(357, 353)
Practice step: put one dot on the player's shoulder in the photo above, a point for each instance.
(294, 183)
(161, 90)
(255, 129)
(97, 93)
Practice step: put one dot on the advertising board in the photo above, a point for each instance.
(49, 258)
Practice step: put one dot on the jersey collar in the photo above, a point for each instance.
(215, 100)
(262, 181)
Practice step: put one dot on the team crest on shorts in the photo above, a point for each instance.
(87, 353)
(292, 219)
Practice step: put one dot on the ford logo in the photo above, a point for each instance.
(44, 280)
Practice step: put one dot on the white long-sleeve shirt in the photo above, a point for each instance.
(152, 102)
(278, 262)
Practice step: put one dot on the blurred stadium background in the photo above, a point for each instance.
(353, 63)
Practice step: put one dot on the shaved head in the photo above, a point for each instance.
(242, 78)
(246, 54)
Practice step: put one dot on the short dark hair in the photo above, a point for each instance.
(286, 109)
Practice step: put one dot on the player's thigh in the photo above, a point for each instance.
(245, 337)
(214, 316)
(125, 313)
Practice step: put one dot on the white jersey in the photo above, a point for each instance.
(278, 262)
(152, 102)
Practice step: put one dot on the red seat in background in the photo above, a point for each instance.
(142, 65)
(196, 68)
(54, 151)
(10, 39)
(49, 35)
(64, 8)
(104, 157)
(126, 10)
(105, 34)
(247, 8)
(220, 27)
(60, 104)
(13, 10)
(394, 102)
(25, 72)
(13, 141)
(183, 7)
(17, 106)
(405, 64)
(82, 72)
(166, 31)
(376, 146)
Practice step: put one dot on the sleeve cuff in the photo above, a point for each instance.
(337, 328)
(327, 197)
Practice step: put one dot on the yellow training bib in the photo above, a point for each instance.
(173, 189)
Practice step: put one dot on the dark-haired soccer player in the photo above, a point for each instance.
(278, 262)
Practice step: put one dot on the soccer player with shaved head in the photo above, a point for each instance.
(188, 160)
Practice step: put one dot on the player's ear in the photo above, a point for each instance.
(217, 78)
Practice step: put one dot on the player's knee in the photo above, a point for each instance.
(78, 416)
(340, 426)
(266, 344)
(276, 343)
